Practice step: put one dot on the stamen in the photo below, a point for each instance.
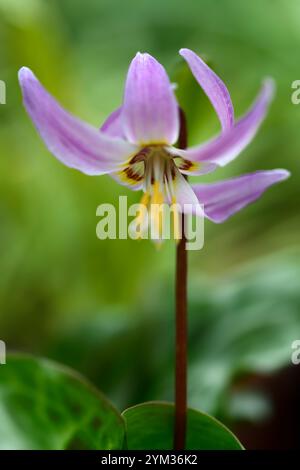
(158, 184)
(156, 203)
(140, 220)
(145, 199)
(176, 221)
(157, 196)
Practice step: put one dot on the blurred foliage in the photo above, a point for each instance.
(45, 406)
(106, 307)
(239, 325)
(67, 413)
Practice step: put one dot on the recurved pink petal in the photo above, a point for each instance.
(223, 199)
(72, 141)
(213, 86)
(228, 145)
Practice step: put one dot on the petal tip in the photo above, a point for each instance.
(142, 56)
(189, 54)
(269, 85)
(183, 51)
(23, 71)
(283, 174)
(25, 74)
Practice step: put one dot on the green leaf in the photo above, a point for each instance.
(150, 426)
(46, 406)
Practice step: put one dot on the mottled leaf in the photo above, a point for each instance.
(46, 406)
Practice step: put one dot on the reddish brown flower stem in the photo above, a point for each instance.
(181, 323)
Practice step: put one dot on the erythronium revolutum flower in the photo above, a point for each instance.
(135, 145)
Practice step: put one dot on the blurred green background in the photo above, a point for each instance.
(106, 307)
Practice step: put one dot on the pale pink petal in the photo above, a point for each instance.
(183, 195)
(223, 199)
(113, 125)
(72, 141)
(213, 86)
(150, 109)
(227, 146)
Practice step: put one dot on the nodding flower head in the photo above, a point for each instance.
(136, 145)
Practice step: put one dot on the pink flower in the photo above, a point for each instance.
(135, 145)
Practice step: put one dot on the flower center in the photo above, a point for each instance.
(159, 175)
(158, 185)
